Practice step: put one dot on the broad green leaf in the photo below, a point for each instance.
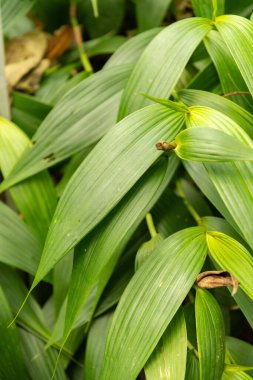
(210, 336)
(81, 118)
(28, 112)
(19, 247)
(163, 61)
(232, 257)
(210, 145)
(240, 352)
(204, 8)
(99, 250)
(228, 375)
(150, 301)
(11, 361)
(131, 51)
(243, 8)
(95, 347)
(237, 33)
(223, 175)
(13, 9)
(192, 367)
(223, 105)
(120, 160)
(35, 197)
(31, 316)
(229, 74)
(168, 360)
(150, 13)
(40, 363)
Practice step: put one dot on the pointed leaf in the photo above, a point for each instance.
(11, 361)
(80, 119)
(221, 104)
(232, 257)
(237, 33)
(99, 250)
(168, 360)
(240, 352)
(120, 160)
(209, 144)
(35, 197)
(150, 301)
(210, 336)
(160, 66)
(40, 363)
(223, 175)
(229, 73)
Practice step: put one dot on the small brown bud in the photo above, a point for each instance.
(165, 146)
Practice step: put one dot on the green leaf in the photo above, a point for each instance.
(19, 248)
(92, 194)
(210, 145)
(221, 104)
(168, 360)
(206, 79)
(110, 18)
(80, 119)
(150, 301)
(232, 257)
(11, 360)
(146, 249)
(223, 176)
(210, 336)
(153, 17)
(99, 250)
(35, 197)
(204, 8)
(163, 61)
(40, 363)
(229, 74)
(31, 316)
(228, 375)
(95, 347)
(237, 33)
(192, 367)
(132, 49)
(28, 112)
(240, 352)
(12, 10)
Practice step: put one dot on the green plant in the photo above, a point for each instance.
(154, 154)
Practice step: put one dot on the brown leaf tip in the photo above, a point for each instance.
(165, 146)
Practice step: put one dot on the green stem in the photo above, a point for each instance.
(214, 9)
(192, 348)
(4, 99)
(151, 226)
(189, 207)
(78, 38)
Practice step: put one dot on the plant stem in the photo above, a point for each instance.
(192, 348)
(151, 226)
(189, 207)
(78, 38)
(4, 99)
(237, 93)
(214, 9)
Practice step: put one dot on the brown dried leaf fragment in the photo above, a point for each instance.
(215, 279)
